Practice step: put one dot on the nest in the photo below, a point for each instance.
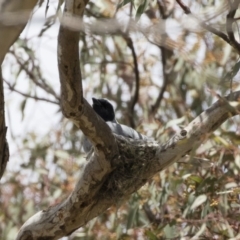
(130, 168)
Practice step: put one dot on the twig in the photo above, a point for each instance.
(164, 62)
(109, 62)
(163, 89)
(135, 96)
(29, 96)
(236, 19)
(204, 25)
(229, 24)
(185, 8)
(150, 215)
(135, 91)
(42, 85)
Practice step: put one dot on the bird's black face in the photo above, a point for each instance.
(104, 109)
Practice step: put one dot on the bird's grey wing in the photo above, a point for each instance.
(125, 131)
(118, 129)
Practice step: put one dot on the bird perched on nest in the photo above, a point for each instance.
(105, 110)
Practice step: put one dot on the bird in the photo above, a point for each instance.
(106, 111)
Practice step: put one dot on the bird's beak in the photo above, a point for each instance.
(95, 101)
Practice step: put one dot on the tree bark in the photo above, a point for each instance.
(135, 163)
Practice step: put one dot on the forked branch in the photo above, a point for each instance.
(133, 164)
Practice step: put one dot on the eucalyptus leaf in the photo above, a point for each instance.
(198, 201)
(123, 3)
(141, 9)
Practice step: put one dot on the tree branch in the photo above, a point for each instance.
(12, 88)
(206, 26)
(135, 91)
(165, 79)
(37, 79)
(119, 166)
(21, 8)
(136, 162)
(4, 150)
(74, 106)
(229, 24)
(165, 54)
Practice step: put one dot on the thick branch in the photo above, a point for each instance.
(73, 104)
(136, 162)
(4, 151)
(10, 30)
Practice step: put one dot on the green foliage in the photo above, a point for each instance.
(123, 3)
(141, 8)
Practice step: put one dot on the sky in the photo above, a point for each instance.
(39, 117)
